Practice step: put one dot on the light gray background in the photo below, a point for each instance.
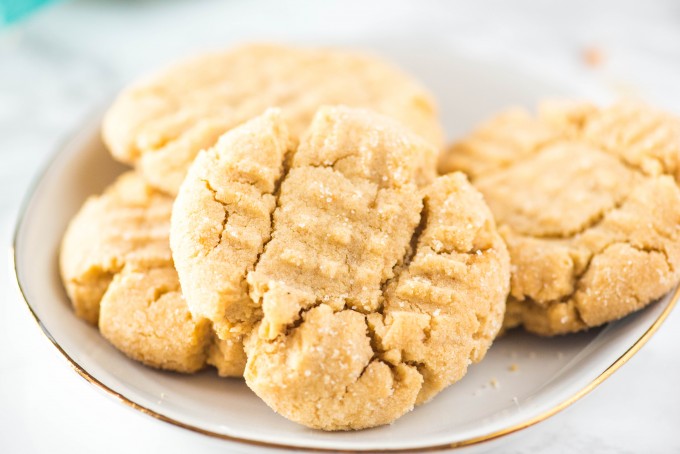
(61, 64)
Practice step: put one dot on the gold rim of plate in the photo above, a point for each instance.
(620, 361)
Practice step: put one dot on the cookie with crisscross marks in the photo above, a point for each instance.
(118, 272)
(159, 124)
(588, 203)
(361, 284)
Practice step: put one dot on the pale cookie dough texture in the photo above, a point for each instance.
(588, 203)
(362, 285)
(160, 123)
(118, 272)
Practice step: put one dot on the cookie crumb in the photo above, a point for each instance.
(513, 367)
(494, 383)
(593, 56)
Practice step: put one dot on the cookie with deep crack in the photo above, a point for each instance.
(222, 219)
(160, 123)
(368, 293)
(588, 203)
(145, 316)
(341, 366)
(118, 271)
(222, 216)
(129, 222)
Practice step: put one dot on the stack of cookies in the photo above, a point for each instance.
(290, 219)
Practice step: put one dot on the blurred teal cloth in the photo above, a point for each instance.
(14, 10)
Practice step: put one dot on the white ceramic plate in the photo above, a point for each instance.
(491, 401)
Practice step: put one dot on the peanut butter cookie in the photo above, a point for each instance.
(361, 287)
(588, 203)
(129, 222)
(118, 271)
(159, 124)
(144, 315)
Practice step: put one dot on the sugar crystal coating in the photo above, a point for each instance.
(363, 260)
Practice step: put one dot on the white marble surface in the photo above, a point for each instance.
(67, 60)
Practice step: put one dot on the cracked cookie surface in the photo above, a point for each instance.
(222, 219)
(369, 293)
(145, 316)
(129, 222)
(160, 123)
(587, 201)
(118, 271)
